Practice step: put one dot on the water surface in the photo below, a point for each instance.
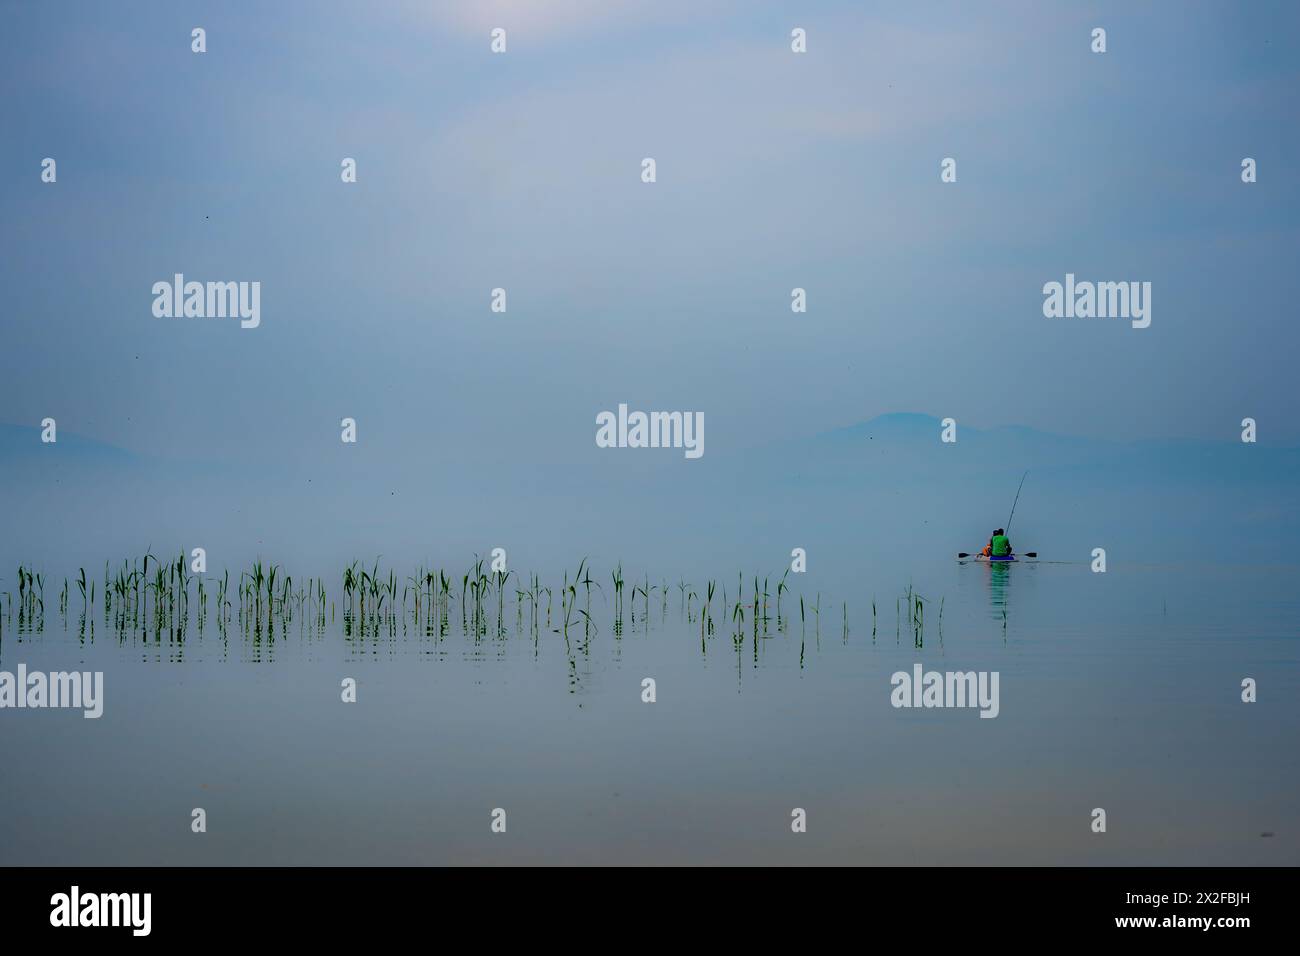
(1117, 690)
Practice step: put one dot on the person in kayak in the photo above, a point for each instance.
(999, 545)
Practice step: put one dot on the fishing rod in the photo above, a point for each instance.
(1007, 529)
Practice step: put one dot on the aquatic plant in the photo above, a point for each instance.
(706, 619)
(617, 577)
(148, 596)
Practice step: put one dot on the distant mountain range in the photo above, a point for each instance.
(884, 486)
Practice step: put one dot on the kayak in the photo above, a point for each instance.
(995, 557)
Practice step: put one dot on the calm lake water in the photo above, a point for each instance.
(1119, 690)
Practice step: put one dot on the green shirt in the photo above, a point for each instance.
(1001, 545)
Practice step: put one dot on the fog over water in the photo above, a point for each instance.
(336, 567)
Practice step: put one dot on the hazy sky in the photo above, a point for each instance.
(522, 171)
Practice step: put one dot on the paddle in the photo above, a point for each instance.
(1027, 554)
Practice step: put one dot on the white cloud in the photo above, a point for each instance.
(532, 22)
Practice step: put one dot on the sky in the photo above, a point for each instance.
(522, 171)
